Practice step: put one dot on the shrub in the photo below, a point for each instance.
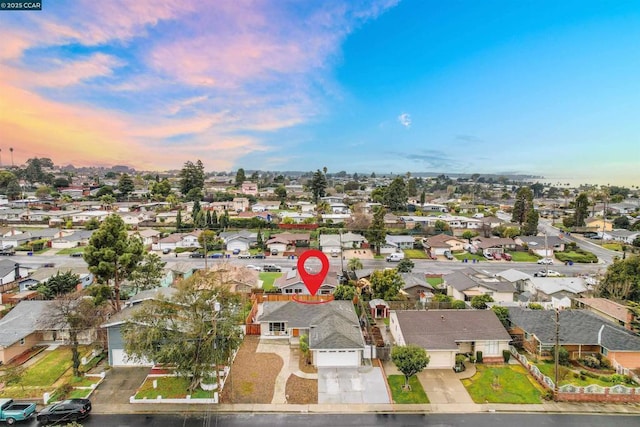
(458, 305)
(479, 356)
(563, 356)
(506, 355)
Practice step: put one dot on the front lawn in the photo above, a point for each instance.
(523, 256)
(503, 384)
(69, 251)
(267, 279)
(469, 256)
(415, 395)
(170, 388)
(578, 256)
(570, 376)
(415, 254)
(613, 246)
(49, 369)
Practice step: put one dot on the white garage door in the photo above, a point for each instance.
(337, 358)
(441, 359)
(119, 358)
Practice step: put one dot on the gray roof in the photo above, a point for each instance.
(576, 327)
(468, 278)
(7, 266)
(414, 279)
(443, 329)
(21, 321)
(332, 325)
(155, 293)
(513, 275)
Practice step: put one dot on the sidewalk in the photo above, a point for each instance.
(547, 407)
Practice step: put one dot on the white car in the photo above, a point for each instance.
(553, 273)
(254, 267)
(546, 261)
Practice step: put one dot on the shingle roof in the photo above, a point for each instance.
(608, 307)
(335, 324)
(21, 321)
(576, 327)
(442, 329)
(414, 279)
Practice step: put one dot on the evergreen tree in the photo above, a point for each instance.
(259, 241)
(376, 233)
(522, 205)
(581, 209)
(125, 185)
(192, 178)
(318, 185)
(112, 255)
(179, 221)
(240, 177)
(530, 227)
(208, 219)
(395, 195)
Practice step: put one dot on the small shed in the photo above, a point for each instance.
(379, 308)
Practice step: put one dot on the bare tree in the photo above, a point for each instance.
(73, 314)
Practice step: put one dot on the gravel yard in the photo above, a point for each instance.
(301, 391)
(253, 375)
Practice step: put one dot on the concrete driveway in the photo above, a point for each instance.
(119, 384)
(444, 386)
(365, 384)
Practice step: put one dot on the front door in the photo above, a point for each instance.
(296, 332)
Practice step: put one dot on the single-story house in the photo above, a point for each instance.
(72, 240)
(330, 243)
(543, 246)
(10, 271)
(115, 343)
(467, 283)
(610, 310)
(41, 275)
(442, 243)
(416, 287)
(400, 242)
(624, 236)
(295, 239)
(84, 216)
(236, 277)
(290, 283)
(445, 333)
(580, 332)
(493, 245)
(335, 337)
(277, 244)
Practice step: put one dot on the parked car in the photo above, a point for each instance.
(66, 410)
(76, 254)
(196, 255)
(236, 251)
(497, 256)
(271, 268)
(507, 257)
(553, 273)
(545, 261)
(259, 256)
(395, 257)
(253, 267)
(274, 252)
(245, 255)
(541, 273)
(216, 255)
(487, 255)
(11, 411)
(7, 252)
(448, 255)
(166, 250)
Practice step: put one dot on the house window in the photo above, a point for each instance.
(298, 291)
(288, 291)
(491, 347)
(21, 341)
(604, 351)
(276, 327)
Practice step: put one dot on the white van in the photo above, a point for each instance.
(395, 257)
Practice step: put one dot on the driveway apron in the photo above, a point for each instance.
(443, 386)
(119, 384)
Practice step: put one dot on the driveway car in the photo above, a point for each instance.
(166, 250)
(497, 256)
(236, 251)
(507, 257)
(448, 255)
(66, 410)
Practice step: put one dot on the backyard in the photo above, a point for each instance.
(503, 384)
(268, 279)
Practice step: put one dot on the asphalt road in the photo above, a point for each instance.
(359, 420)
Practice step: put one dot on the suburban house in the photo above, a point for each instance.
(581, 332)
(84, 216)
(493, 245)
(520, 280)
(445, 333)
(115, 342)
(543, 246)
(10, 272)
(400, 242)
(442, 243)
(170, 217)
(291, 283)
(266, 205)
(609, 310)
(599, 225)
(468, 283)
(181, 270)
(148, 236)
(41, 275)
(330, 243)
(416, 287)
(249, 188)
(556, 292)
(72, 240)
(623, 236)
(335, 338)
(277, 245)
(237, 278)
(294, 239)
(178, 240)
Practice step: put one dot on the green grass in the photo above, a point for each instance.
(523, 257)
(613, 246)
(435, 281)
(503, 384)
(415, 254)
(415, 395)
(268, 278)
(84, 381)
(69, 251)
(47, 371)
(170, 388)
(579, 256)
(469, 256)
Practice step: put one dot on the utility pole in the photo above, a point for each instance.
(557, 353)
(546, 253)
(204, 242)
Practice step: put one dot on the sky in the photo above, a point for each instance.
(529, 87)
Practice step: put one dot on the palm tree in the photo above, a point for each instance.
(354, 264)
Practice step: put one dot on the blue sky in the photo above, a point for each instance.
(533, 87)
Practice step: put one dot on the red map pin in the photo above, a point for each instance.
(313, 281)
